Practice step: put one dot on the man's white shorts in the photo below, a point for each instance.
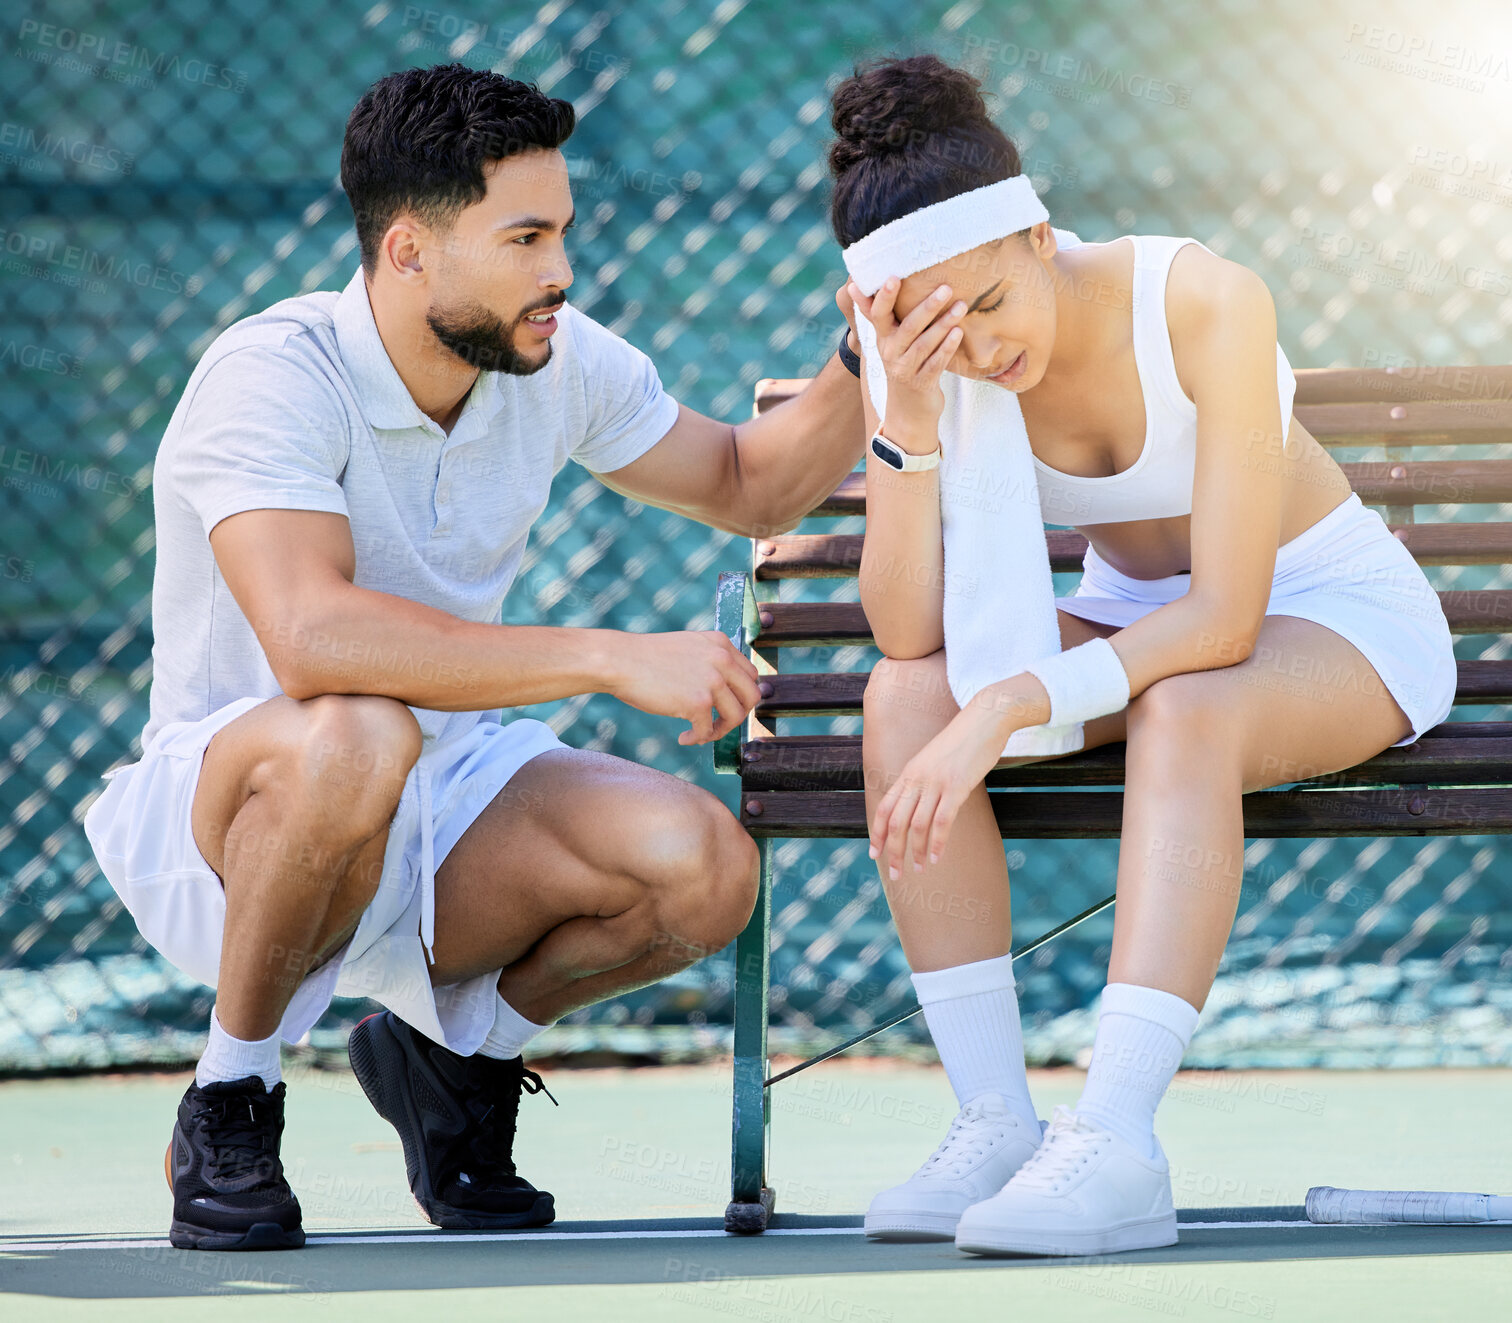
(139, 829)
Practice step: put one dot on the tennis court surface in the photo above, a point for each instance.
(638, 1161)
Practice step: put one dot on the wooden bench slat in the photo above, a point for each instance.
(1363, 385)
(1457, 544)
(834, 763)
(1314, 385)
(1431, 481)
(1071, 814)
(1445, 730)
(1481, 611)
(1401, 414)
(838, 555)
(844, 624)
(1419, 423)
(1378, 482)
(821, 694)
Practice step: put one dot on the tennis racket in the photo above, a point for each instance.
(1327, 1204)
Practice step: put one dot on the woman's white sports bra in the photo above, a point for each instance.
(1158, 485)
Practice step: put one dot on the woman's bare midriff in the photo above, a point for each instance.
(1155, 548)
(1094, 427)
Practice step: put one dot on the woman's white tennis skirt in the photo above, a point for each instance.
(1347, 572)
(140, 831)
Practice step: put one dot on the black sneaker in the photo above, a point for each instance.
(456, 1119)
(229, 1191)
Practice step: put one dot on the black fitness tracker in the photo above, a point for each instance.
(851, 359)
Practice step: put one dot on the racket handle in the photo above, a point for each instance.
(1327, 1204)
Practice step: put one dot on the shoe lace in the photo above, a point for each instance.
(971, 1135)
(240, 1142)
(493, 1103)
(1069, 1144)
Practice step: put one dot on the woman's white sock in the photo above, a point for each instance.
(228, 1058)
(510, 1032)
(1141, 1035)
(973, 1016)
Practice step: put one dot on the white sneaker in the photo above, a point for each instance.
(1085, 1191)
(987, 1143)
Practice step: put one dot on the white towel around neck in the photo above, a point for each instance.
(999, 597)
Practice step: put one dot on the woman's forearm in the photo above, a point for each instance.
(1181, 636)
(902, 573)
(1189, 634)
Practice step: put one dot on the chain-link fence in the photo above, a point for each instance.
(168, 169)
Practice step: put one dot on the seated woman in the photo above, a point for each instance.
(1269, 626)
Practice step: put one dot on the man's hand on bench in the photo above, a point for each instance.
(685, 675)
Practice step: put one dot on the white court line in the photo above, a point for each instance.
(467, 1237)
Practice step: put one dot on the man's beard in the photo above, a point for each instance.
(481, 340)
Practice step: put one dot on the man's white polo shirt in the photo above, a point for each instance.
(299, 407)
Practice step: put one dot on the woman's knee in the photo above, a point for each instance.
(902, 694)
(1179, 711)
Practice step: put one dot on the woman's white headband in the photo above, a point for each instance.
(942, 230)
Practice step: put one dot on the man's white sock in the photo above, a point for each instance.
(510, 1032)
(228, 1058)
(1141, 1035)
(973, 1016)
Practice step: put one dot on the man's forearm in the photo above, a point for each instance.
(793, 456)
(361, 641)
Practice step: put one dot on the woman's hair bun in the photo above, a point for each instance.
(910, 131)
(892, 106)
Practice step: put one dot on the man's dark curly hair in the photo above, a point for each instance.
(419, 139)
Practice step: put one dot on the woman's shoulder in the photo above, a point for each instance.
(1201, 277)
(1202, 286)
(1216, 309)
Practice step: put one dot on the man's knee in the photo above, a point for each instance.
(355, 750)
(704, 901)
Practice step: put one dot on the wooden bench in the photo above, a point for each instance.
(1455, 780)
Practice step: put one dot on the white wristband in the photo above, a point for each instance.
(1083, 682)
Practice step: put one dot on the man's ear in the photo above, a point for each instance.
(401, 248)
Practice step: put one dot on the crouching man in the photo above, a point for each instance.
(328, 799)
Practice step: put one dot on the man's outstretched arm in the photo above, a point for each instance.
(291, 573)
(759, 477)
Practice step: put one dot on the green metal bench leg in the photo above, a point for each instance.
(751, 1200)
